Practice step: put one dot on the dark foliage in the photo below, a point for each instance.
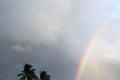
(29, 74)
(44, 75)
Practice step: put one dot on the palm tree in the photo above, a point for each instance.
(28, 73)
(44, 75)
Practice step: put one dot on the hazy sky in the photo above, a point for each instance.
(53, 34)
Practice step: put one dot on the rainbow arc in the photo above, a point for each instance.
(87, 51)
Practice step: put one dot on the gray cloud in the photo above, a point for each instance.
(36, 22)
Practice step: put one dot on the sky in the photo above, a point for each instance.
(53, 34)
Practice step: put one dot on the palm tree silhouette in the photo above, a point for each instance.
(28, 73)
(44, 75)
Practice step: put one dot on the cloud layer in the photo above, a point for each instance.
(53, 34)
(36, 22)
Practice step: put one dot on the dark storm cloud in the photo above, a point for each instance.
(28, 33)
(59, 65)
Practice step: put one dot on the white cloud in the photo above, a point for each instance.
(113, 58)
(18, 48)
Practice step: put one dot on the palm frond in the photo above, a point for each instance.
(33, 75)
(22, 77)
(20, 74)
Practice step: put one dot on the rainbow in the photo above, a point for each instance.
(87, 51)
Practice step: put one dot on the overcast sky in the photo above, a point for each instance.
(53, 34)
